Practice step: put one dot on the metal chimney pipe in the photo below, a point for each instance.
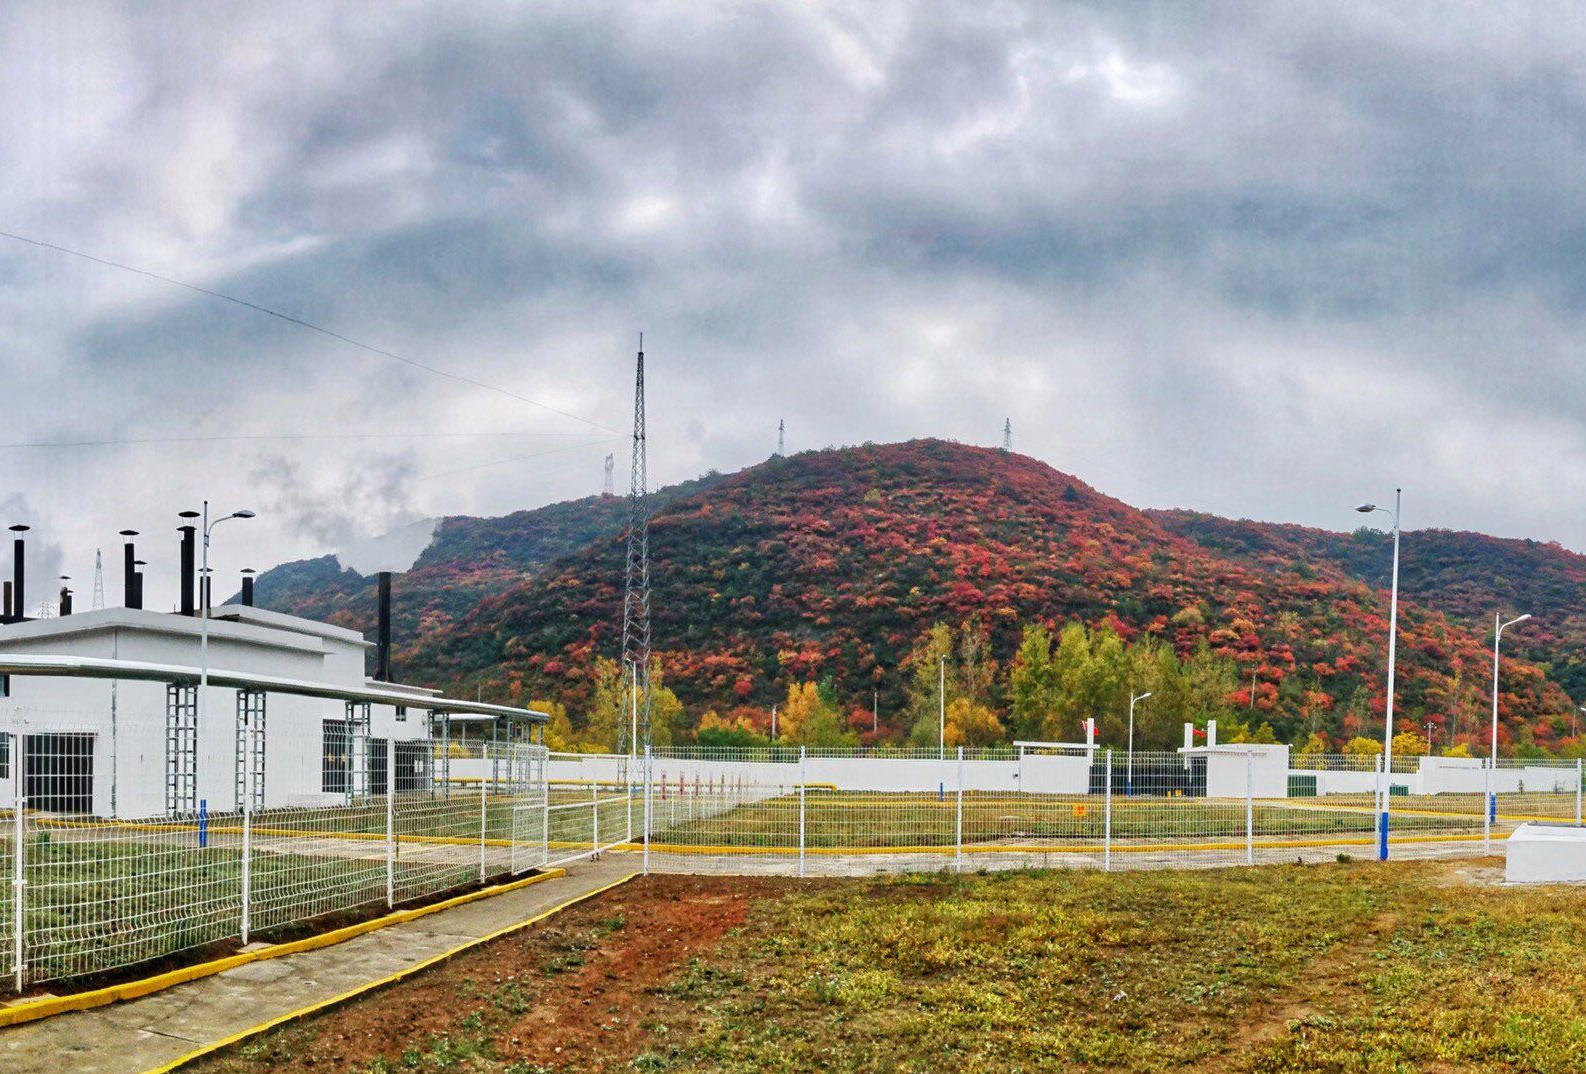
(7, 618)
(19, 601)
(189, 554)
(66, 600)
(247, 587)
(137, 590)
(382, 645)
(129, 572)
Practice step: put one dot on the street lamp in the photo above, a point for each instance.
(1497, 636)
(1393, 639)
(632, 667)
(203, 616)
(941, 707)
(1128, 783)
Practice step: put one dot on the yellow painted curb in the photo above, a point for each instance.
(1342, 840)
(44, 1008)
(402, 974)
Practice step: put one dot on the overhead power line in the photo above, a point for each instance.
(590, 437)
(310, 326)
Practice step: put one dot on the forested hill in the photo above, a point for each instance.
(826, 567)
(1467, 576)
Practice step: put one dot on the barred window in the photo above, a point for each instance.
(336, 764)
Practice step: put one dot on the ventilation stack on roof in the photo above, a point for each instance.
(18, 575)
(382, 647)
(189, 556)
(129, 572)
(247, 586)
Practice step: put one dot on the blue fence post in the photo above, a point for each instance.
(203, 823)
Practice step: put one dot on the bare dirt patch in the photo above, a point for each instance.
(574, 994)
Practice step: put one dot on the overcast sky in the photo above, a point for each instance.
(1265, 261)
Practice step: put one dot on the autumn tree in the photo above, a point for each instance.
(969, 723)
(559, 734)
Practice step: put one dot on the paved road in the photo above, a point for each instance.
(140, 1035)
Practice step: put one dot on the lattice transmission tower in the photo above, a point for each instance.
(781, 436)
(99, 579)
(1007, 434)
(610, 486)
(636, 585)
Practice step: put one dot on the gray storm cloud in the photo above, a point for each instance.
(1263, 260)
(363, 517)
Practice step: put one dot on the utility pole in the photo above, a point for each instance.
(636, 580)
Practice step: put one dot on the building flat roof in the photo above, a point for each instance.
(91, 667)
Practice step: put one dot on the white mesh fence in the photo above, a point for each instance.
(91, 888)
(88, 891)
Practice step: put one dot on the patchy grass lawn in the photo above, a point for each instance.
(1349, 967)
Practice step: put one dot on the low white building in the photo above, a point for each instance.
(292, 702)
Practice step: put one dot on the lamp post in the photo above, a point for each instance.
(633, 683)
(1393, 642)
(203, 611)
(1497, 636)
(941, 707)
(1128, 781)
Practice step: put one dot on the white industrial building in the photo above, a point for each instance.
(103, 709)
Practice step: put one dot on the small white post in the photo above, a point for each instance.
(18, 876)
(1486, 812)
(1106, 817)
(647, 796)
(801, 810)
(594, 813)
(1250, 807)
(484, 798)
(390, 822)
(627, 797)
(958, 833)
(247, 853)
(545, 807)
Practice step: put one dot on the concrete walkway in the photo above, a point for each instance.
(142, 1034)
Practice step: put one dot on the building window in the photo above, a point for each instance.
(336, 764)
(59, 776)
(402, 714)
(5, 755)
(5, 686)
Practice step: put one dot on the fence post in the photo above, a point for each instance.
(648, 769)
(484, 798)
(19, 876)
(1106, 817)
(958, 832)
(247, 857)
(1577, 791)
(594, 814)
(545, 807)
(801, 810)
(1384, 791)
(1250, 807)
(1486, 813)
(390, 821)
(627, 798)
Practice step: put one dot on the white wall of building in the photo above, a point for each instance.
(128, 721)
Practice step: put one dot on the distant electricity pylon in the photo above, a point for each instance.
(610, 487)
(781, 436)
(99, 579)
(636, 585)
(1007, 435)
